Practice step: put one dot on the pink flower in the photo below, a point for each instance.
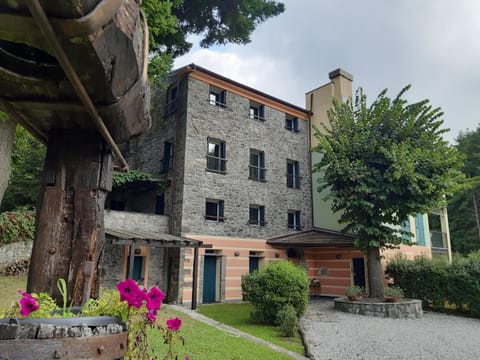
(174, 324)
(131, 293)
(152, 315)
(28, 303)
(154, 298)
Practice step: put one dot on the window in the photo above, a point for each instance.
(257, 215)
(217, 97)
(167, 161)
(216, 156)
(420, 230)
(257, 111)
(293, 174)
(160, 204)
(171, 105)
(291, 123)
(256, 169)
(294, 220)
(214, 210)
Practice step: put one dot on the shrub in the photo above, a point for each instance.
(274, 287)
(422, 279)
(287, 321)
(394, 291)
(437, 282)
(17, 226)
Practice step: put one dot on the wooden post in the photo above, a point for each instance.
(70, 230)
(195, 278)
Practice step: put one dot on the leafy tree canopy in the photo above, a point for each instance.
(28, 155)
(215, 21)
(464, 214)
(383, 163)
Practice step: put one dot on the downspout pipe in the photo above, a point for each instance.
(43, 23)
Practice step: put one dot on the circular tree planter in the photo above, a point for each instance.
(373, 307)
(98, 337)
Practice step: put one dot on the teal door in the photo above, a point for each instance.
(137, 273)
(209, 279)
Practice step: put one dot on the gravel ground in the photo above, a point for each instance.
(332, 335)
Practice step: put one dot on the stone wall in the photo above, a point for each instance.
(16, 251)
(233, 125)
(136, 221)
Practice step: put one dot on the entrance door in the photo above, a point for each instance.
(137, 273)
(252, 264)
(209, 279)
(358, 272)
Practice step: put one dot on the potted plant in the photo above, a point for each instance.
(354, 292)
(112, 327)
(393, 294)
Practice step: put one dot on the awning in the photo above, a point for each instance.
(314, 237)
(134, 238)
(150, 238)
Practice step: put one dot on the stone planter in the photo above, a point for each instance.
(98, 337)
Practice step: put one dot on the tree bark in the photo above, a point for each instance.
(375, 274)
(70, 229)
(7, 134)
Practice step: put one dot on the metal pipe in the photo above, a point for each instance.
(43, 23)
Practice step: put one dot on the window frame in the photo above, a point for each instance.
(167, 160)
(217, 97)
(295, 224)
(259, 168)
(171, 100)
(293, 176)
(259, 219)
(220, 160)
(294, 123)
(256, 111)
(219, 213)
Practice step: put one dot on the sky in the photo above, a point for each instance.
(434, 45)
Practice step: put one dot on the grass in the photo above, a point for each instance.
(205, 342)
(202, 341)
(9, 286)
(238, 316)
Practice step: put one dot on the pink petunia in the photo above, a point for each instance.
(28, 303)
(154, 298)
(131, 293)
(174, 324)
(152, 316)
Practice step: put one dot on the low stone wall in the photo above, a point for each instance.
(13, 252)
(403, 309)
(136, 221)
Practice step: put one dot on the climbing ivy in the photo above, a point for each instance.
(122, 178)
(17, 226)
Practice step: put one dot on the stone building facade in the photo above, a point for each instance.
(238, 170)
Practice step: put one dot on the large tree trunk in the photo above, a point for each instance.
(375, 274)
(7, 134)
(70, 230)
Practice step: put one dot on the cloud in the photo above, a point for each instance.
(432, 45)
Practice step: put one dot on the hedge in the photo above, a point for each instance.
(437, 282)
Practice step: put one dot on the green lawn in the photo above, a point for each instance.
(202, 342)
(9, 286)
(205, 342)
(238, 316)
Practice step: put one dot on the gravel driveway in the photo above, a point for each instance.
(332, 335)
